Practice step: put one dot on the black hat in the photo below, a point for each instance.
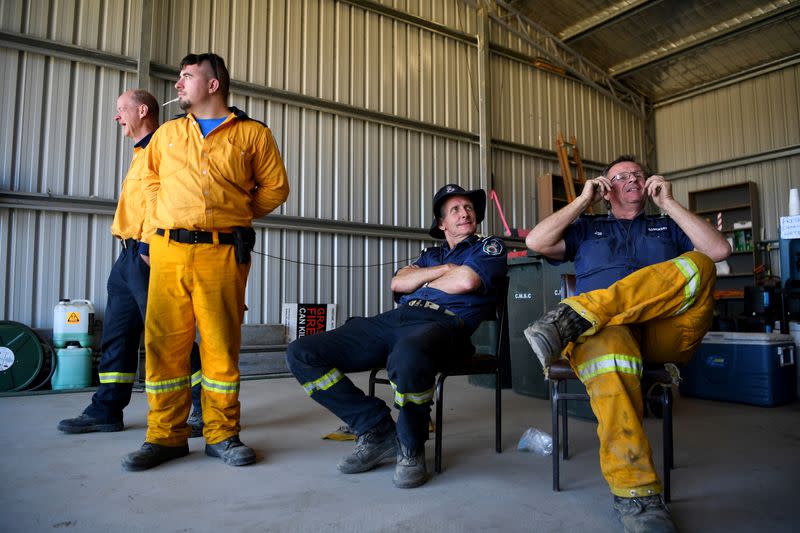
(477, 197)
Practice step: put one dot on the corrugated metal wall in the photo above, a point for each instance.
(746, 131)
(372, 113)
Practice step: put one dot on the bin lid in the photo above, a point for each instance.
(522, 257)
(740, 337)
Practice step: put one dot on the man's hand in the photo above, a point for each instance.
(595, 189)
(146, 259)
(659, 189)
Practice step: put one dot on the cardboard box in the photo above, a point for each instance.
(307, 319)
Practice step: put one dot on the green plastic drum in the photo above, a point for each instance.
(21, 356)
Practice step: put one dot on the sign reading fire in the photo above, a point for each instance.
(308, 319)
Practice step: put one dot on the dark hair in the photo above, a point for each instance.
(140, 96)
(217, 65)
(621, 159)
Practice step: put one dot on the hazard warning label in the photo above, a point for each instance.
(73, 317)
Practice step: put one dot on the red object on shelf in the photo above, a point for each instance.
(509, 232)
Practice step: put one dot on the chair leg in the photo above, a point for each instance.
(498, 445)
(554, 407)
(564, 421)
(437, 439)
(666, 399)
(372, 375)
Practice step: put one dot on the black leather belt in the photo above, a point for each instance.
(129, 244)
(186, 236)
(430, 305)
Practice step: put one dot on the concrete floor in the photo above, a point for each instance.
(737, 469)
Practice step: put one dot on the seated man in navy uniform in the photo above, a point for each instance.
(443, 296)
(645, 294)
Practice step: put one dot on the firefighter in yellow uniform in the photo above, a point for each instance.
(210, 173)
(137, 114)
(645, 290)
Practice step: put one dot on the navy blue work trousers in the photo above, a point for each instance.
(411, 342)
(122, 328)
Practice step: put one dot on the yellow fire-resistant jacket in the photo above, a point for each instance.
(224, 180)
(129, 220)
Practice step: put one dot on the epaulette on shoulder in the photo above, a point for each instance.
(244, 116)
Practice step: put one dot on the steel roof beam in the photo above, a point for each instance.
(554, 50)
(756, 17)
(602, 19)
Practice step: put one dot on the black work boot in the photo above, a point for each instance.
(232, 452)
(647, 514)
(372, 447)
(150, 455)
(195, 422)
(410, 470)
(88, 424)
(550, 334)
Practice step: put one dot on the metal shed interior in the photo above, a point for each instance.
(375, 104)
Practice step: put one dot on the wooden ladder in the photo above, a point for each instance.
(566, 173)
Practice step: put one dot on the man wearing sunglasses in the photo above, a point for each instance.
(210, 172)
(645, 291)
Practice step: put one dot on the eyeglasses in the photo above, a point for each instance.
(639, 175)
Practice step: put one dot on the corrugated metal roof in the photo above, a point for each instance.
(665, 48)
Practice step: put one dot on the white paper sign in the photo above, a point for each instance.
(790, 227)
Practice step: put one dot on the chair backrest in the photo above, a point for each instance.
(567, 285)
(491, 337)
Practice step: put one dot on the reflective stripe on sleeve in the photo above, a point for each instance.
(167, 385)
(116, 377)
(401, 398)
(692, 274)
(614, 362)
(222, 387)
(197, 377)
(324, 383)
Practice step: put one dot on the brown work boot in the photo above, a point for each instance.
(372, 448)
(647, 514)
(195, 422)
(410, 471)
(150, 455)
(232, 451)
(550, 334)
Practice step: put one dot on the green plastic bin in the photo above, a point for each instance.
(533, 289)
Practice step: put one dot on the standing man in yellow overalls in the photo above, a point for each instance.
(210, 173)
(645, 289)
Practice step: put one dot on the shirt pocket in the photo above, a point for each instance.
(174, 157)
(659, 247)
(595, 255)
(235, 164)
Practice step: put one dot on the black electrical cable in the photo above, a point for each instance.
(410, 260)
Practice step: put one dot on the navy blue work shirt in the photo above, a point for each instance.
(606, 249)
(486, 256)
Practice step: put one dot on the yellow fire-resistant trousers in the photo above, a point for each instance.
(669, 308)
(202, 284)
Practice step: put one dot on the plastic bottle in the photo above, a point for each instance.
(536, 441)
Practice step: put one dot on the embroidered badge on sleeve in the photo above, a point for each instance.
(492, 247)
